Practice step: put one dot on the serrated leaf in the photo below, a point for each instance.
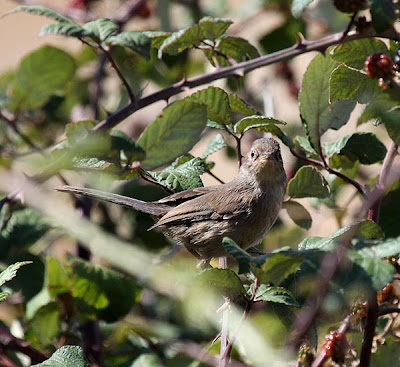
(157, 37)
(181, 40)
(79, 130)
(108, 292)
(241, 256)
(276, 295)
(239, 105)
(380, 272)
(304, 143)
(217, 102)
(66, 356)
(11, 271)
(173, 133)
(318, 115)
(23, 229)
(391, 121)
(279, 267)
(216, 143)
(63, 29)
(366, 229)
(377, 108)
(182, 177)
(212, 28)
(379, 249)
(100, 29)
(350, 84)
(225, 281)
(257, 122)
(298, 213)
(3, 296)
(298, 6)
(308, 182)
(136, 41)
(236, 48)
(383, 13)
(40, 10)
(354, 53)
(364, 147)
(41, 74)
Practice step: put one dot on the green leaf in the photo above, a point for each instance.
(304, 143)
(45, 323)
(239, 105)
(79, 130)
(377, 108)
(110, 293)
(157, 37)
(216, 143)
(100, 29)
(66, 356)
(123, 142)
(282, 37)
(354, 53)
(217, 102)
(390, 213)
(351, 84)
(39, 75)
(181, 40)
(366, 229)
(136, 41)
(379, 249)
(173, 133)
(212, 28)
(298, 214)
(308, 182)
(23, 229)
(67, 29)
(11, 271)
(278, 267)
(146, 360)
(298, 6)
(40, 10)
(58, 278)
(237, 48)
(276, 295)
(380, 272)
(383, 13)
(183, 176)
(391, 120)
(317, 113)
(3, 296)
(225, 281)
(364, 147)
(241, 256)
(257, 122)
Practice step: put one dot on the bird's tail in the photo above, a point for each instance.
(143, 206)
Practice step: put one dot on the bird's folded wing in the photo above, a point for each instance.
(187, 194)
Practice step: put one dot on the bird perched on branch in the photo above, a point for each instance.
(243, 209)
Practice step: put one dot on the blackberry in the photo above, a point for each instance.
(351, 6)
(378, 65)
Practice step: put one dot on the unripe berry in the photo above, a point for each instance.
(351, 6)
(378, 66)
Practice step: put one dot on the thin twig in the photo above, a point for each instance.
(388, 310)
(369, 332)
(299, 48)
(214, 176)
(224, 354)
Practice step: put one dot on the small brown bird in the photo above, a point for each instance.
(243, 209)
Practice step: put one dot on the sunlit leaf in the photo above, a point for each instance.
(66, 356)
(308, 182)
(225, 281)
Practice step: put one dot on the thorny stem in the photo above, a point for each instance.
(299, 48)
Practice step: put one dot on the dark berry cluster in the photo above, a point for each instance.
(379, 65)
(351, 6)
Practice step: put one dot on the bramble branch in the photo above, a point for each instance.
(299, 48)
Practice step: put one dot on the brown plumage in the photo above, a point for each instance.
(243, 209)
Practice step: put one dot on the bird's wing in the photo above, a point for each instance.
(214, 205)
(187, 194)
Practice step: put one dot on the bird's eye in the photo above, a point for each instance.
(252, 154)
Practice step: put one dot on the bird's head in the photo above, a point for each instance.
(264, 160)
